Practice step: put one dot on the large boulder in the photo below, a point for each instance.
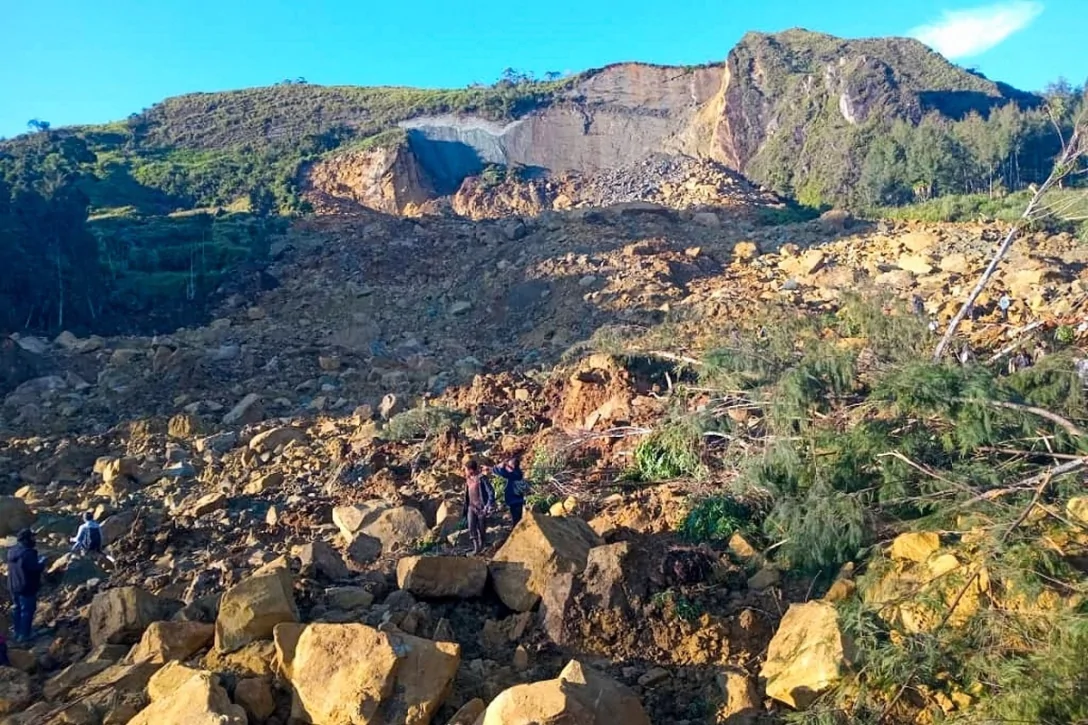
(319, 560)
(579, 696)
(165, 641)
(396, 527)
(120, 616)
(806, 656)
(15, 515)
(615, 582)
(251, 609)
(199, 700)
(442, 576)
(538, 549)
(354, 674)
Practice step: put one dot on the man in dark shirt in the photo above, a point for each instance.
(24, 580)
(514, 492)
(479, 498)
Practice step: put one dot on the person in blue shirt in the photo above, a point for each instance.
(514, 494)
(89, 537)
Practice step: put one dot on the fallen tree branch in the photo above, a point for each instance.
(1029, 483)
(673, 357)
(1068, 425)
(1013, 345)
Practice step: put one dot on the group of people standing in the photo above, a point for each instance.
(480, 495)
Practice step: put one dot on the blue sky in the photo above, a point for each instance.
(89, 61)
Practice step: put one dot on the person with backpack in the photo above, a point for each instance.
(514, 492)
(25, 569)
(89, 537)
(479, 500)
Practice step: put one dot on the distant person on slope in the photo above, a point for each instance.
(479, 499)
(24, 581)
(514, 493)
(89, 537)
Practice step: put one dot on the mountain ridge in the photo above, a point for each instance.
(209, 148)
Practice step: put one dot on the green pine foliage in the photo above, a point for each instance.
(670, 452)
(715, 519)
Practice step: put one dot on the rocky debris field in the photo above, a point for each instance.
(675, 181)
(281, 493)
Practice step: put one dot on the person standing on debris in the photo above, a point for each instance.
(89, 537)
(514, 492)
(1004, 304)
(24, 580)
(479, 499)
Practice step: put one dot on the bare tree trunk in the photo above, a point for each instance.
(60, 294)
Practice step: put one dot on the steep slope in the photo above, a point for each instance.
(796, 106)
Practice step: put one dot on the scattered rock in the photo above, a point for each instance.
(318, 559)
(200, 700)
(120, 616)
(247, 411)
(469, 713)
(348, 598)
(270, 440)
(539, 548)
(165, 641)
(396, 527)
(15, 690)
(765, 578)
(254, 694)
(579, 696)
(915, 546)
(252, 608)
(352, 673)
(442, 576)
(740, 701)
(806, 655)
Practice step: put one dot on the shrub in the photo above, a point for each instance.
(673, 451)
(714, 518)
(420, 423)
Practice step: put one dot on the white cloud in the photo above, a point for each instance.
(964, 33)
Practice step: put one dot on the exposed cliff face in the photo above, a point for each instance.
(782, 109)
(387, 179)
(612, 117)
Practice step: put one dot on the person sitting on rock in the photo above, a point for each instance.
(89, 537)
(479, 499)
(514, 492)
(24, 580)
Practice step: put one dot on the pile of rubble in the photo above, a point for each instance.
(284, 519)
(674, 181)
